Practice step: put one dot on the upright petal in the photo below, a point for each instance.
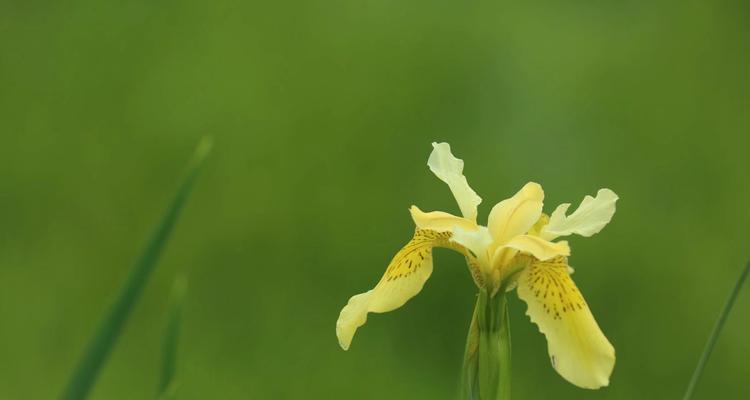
(403, 279)
(516, 215)
(577, 348)
(450, 170)
(439, 221)
(590, 217)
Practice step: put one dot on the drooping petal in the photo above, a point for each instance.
(516, 215)
(538, 247)
(450, 170)
(590, 217)
(577, 348)
(438, 220)
(403, 279)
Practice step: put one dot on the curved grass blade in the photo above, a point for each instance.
(109, 330)
(715, 333)
(167, 383)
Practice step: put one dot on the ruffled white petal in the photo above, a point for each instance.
(577, 348)
(450, 170)
(516, 215)
(590, 217)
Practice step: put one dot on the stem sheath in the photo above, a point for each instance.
(486, 371)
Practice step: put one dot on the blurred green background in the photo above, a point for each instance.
(322, 113)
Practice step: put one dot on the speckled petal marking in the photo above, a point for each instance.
(403, 279)
(578, 349)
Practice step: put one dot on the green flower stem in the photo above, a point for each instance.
(486, 371)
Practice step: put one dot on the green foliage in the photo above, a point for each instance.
(716, 332)
(167, 382)
(106, 336)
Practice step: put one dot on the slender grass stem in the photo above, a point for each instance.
(715, 333)
(101, 344)
(167, 382)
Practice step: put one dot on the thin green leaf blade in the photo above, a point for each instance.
(167, 382)
(716, 332)
(101, 344)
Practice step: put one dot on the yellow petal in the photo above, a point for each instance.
(577, 348)
(516, 215)
(403, 279)
(450, 170)
(538, 247)
(476, 239)
(590, 217)
(438, 220)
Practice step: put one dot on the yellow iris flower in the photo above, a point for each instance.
(515, 250)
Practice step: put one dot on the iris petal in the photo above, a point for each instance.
(450, 170)
(516, 215)
(538, 247)
(438, 220)
(577, 348)
(403, 279)
(589, 218)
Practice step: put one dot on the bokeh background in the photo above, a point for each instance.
(322, 113)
